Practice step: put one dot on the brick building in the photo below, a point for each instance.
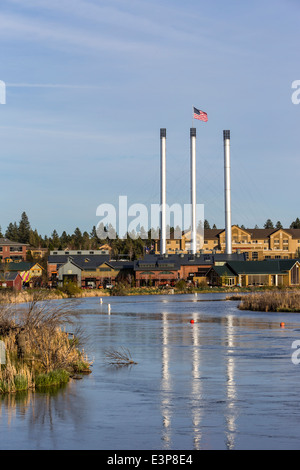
(12, 251)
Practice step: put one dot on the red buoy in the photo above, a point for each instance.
(282, 324)
(192, 321)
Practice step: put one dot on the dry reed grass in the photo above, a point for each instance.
(36, 343)
(283, 301)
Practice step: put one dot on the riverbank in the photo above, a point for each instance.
(26, 296)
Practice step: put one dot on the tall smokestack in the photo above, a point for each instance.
(163, 135)
(193, 189)
(226, 137)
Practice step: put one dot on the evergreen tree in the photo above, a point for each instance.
(77, 239)
(278, 224)
(206, 224)
(55, 240)
(34, 239)
(12, 232)
(64, 240)
(268, 224)
(86, 243)
(24, 229)
(295, 223)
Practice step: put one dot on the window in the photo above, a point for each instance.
(255, 255)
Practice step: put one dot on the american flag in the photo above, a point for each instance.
(201, 115)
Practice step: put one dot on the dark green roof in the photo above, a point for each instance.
(21, 266)
(261, 267)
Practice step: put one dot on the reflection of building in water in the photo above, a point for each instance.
(230, 385)
(197, 391)
(196, 387)
(166, 382)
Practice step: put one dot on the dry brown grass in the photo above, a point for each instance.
(36, 343)
(285, 301)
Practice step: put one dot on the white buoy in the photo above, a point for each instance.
(101, 301)
(108, 309)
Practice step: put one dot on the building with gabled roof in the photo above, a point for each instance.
(256, 273)
(11, 280)
(27, 270)
(257, 244)
(159, 270)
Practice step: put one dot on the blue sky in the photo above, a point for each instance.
(90, 83)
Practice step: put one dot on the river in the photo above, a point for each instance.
(226, 381)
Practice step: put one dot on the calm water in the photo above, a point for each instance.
(225, 382)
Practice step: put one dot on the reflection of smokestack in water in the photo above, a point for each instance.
(193, 189)
(163, 134)
(226, 137)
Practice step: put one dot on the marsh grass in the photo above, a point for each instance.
(39, 352)
(280, 301)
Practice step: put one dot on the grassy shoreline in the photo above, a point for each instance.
(25, 296)
(36, 351)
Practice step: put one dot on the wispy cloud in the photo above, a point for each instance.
(52, 85)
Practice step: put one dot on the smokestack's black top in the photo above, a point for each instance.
(226, 135)
(193, 132)
(163, 133)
